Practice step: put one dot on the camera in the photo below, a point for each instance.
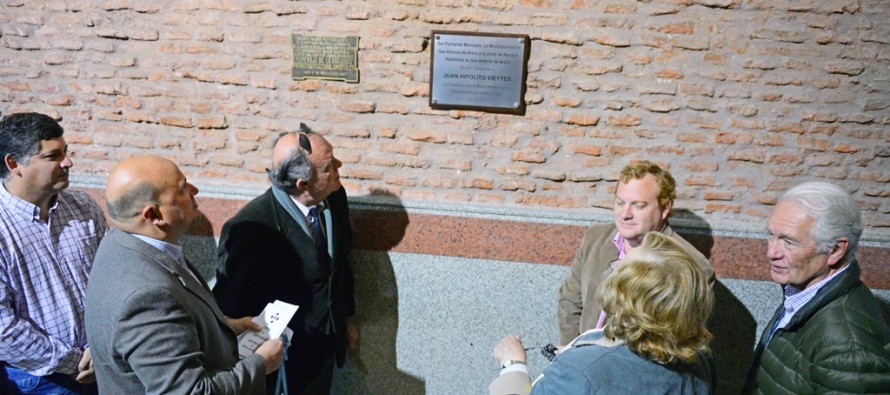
(549, 352)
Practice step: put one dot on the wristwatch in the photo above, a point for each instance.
(511, 362)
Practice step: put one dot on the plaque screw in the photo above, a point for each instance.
(434, 100)
(437, 37)
(515, 104)
(522, 41)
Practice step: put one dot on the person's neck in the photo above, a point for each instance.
(307, 199)
(40, 199)
(150, 231)
(630, 244)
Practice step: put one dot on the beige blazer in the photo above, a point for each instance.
(577, 309)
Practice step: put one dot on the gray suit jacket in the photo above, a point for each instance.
(154, 329)
(577, 310)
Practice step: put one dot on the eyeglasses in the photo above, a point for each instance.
(304, 141)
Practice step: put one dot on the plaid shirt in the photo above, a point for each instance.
(795, 300)
(43, 280)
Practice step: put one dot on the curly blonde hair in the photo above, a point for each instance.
(658, 300)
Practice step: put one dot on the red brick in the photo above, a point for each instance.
(176, 121)
(489, 198)
(516, 184)
(624, 120)
(428, 136)
(587, 149)
(700, 167)
(670, 73)
(512, 169)
(363, 173)
(813, 144)
(847, 148)
(357, 107)
(722, 208)
(720, 195)
(400, 181)
(707, 181)
(755, 155)
(622, 151)
(530, 156)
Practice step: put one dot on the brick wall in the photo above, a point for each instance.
(740, 99)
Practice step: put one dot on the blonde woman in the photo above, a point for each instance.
(654, 340)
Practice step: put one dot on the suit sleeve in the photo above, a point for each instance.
(512, 383)
(854, 367)
(239, 289)
(156, 335)
(570, 303)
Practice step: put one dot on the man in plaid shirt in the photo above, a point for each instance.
(48, 238)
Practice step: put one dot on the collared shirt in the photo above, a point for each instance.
(172, 250)
(43, 279)
(305, 210)
(619, 245)
(795, 300)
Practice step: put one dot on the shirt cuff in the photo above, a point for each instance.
(518, 367)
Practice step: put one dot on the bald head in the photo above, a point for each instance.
(285, 147)
(149, 195)
(304, 165)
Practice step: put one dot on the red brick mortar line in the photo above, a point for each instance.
(399, 231)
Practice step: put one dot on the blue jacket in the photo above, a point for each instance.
(593, 365)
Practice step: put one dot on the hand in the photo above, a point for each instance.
(272, 352)
(239, 325)
(351, 334)
(509, 348)
(86, 374)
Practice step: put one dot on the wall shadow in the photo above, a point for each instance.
(372, 368)
(199, 247)
(732, 324)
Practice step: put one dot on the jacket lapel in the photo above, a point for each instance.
(295, 229)
(199, 289)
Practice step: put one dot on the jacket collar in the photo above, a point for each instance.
(838, 286)
(166, 262)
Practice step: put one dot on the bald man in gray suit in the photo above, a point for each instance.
(152, 323)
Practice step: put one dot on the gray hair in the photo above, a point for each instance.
(130, 203)
(21, 134)
(296, 166)
(834, 212)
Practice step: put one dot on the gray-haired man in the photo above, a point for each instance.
(829, 334)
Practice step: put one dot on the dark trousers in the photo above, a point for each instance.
(309, 367)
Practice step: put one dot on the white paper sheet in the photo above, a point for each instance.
(273, 320)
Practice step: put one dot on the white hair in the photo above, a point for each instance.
(834, 212)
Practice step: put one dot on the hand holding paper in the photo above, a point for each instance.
(273, 320)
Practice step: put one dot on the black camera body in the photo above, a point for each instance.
(549, 352)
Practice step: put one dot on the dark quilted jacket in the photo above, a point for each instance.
(838, 342)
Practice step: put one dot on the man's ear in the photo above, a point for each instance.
(302, 185)
(12, 165)
(837, 252)
(151, 214)
(666, 210)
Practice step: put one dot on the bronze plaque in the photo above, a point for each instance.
(479, 71)
(325, 58)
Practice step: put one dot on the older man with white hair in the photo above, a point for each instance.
(829, 335)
